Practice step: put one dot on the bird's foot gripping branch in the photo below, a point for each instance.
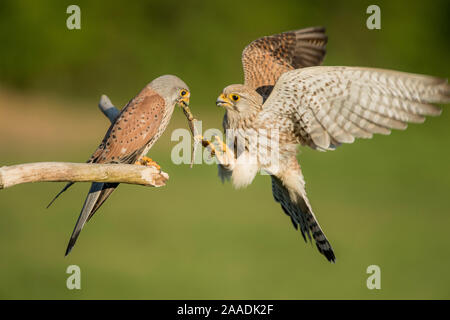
(147, 173)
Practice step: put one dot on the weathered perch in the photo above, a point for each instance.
(83, 172)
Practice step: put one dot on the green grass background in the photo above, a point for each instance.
(382, 202)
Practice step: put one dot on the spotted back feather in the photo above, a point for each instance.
(265, 59)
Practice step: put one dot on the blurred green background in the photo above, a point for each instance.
(382, 202)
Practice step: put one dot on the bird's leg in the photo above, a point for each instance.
(226, 156)
(222, 145)
(218, 149)
(146, 161)
(206, 143)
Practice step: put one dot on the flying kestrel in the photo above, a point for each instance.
(320, 107)
(138, 126)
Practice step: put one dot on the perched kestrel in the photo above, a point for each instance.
(321, 107)
(138, 126)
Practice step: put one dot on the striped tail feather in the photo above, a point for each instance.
(296, 205)
(322, 243)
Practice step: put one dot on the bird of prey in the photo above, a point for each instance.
(287, 96)
(138, 126)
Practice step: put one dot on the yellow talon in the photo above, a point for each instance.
(221, 143)
(206, 143)
(146, 161)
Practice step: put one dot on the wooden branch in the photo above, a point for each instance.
(84, 172)
(81, 172)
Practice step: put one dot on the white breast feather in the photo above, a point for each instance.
(244, 171)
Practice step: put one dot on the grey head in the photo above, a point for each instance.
(172, 89)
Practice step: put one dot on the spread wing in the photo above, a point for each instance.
(267, 58)
(329, 106)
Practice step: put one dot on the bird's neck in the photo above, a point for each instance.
(241, 120)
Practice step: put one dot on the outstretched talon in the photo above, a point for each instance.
(146, 161)
(222, 145)
(217, 148)
(206, 143)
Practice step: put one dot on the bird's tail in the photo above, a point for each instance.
(98, 193)
(67, 186)
(290, 193)
(322, 243)
(309, 225)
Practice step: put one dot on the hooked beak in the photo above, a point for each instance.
(184, 101)
(223, 101)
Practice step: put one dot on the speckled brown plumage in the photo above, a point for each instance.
(320, 107)
(135, 130)
(138, 126)
(267, 58)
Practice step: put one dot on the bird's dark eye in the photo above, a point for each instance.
(235, 97)
(183, 93)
